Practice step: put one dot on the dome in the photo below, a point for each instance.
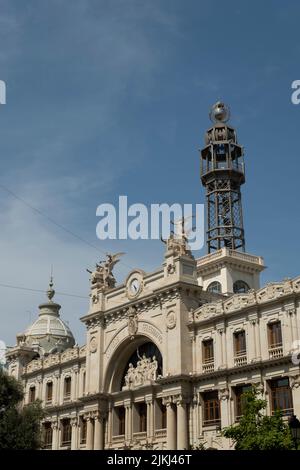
(49, 334)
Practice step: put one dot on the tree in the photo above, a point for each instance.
(255, 431)
(19, 427)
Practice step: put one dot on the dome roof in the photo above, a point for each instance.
(49, 334)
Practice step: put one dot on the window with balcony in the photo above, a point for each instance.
(31, 395)
(66, 432)
(142, 411)
(214, 287)
(240, 287)
(281, 396)
(275, 340)
(211, 409)
(240, 352)
(67, 388)
(121, 420)
(240, 400)
(49, 392)
(47, 435)
(208, 355)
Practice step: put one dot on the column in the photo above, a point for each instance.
(56, 389)
(54, 427)
(99, 432)
(74, 423)
(89, 433)
(182, 425)
(128, 421)
(220, 346)
(295, 386)
(109, 425)
(75, 394)
(225, 417)
(150, 418)
(194, 416)
(171, 426)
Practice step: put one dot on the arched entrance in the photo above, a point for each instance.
(145, 358)
(130, 352)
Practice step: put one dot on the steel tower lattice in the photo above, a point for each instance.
(222, 174)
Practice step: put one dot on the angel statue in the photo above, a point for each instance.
(178, 240)
(102, 275)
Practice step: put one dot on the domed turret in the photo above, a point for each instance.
(49, 334)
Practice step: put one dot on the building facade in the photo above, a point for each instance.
(168, 354)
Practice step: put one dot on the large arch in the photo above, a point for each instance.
(119, 359)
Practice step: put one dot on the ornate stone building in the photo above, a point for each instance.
(168, 354)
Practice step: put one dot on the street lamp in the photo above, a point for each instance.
(294, 425)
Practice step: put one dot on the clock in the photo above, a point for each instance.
(134, 284)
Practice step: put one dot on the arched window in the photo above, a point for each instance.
(214, 287)
(240, 287)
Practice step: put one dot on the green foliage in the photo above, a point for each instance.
(255, 431)
(19, 427)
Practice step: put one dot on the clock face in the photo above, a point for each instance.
(134, 286)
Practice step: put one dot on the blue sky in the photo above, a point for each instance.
(112, 97)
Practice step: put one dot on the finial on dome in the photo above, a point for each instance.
(219, 112)
(50, 291)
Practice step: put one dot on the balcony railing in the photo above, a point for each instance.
(240, 359)
(160, 433)
(275, 351)
(208, 365)
(119, 438)
(67, 397)
(212, 422)
(140, 435)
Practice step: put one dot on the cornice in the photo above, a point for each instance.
(243, 303)
(156, 298)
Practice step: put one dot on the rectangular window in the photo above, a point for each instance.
(275, 335)
(281, 396)
(31, 397)
(83, 430)
(240, 399)
(83, 383)
(142, 410)
(163, 415)
(212, 415)
(66, 432)
(208, 351)
(49, 392)
(67, 388)
(240, 343)
(121, 417)
(47, 435)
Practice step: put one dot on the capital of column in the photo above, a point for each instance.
(88, 417)
(167, 401)
(295, 381)
(100, 416)
(223, 394)
(291, 311)
(181, 400)
(74, 421)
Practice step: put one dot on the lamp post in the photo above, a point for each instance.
(294, 425)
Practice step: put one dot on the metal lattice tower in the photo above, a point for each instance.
(222, 174)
